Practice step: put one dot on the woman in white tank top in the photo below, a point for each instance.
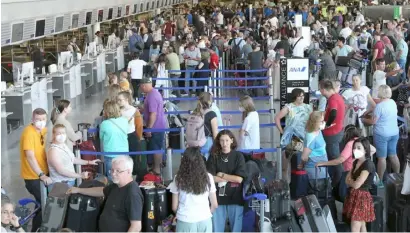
(61, 159)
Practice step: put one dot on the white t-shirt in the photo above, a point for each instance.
(379, 78)
(358, 99)
(274, 22)
(220, 19)
(251, 139)
(345, 32)
(193, 208)
(129, 114)
(299, 49)
(137, 68)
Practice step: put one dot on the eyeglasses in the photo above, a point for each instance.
(112, 172)
(42, 139)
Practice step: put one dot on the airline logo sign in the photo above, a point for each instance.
(297, 69)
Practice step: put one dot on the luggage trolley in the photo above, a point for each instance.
(258, 204)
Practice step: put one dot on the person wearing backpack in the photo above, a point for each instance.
(135, 42)
(237, 45)
(202, 125)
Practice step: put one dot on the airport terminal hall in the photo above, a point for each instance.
(205, 116)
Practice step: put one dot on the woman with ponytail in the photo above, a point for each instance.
(210, 120)
(59, 116)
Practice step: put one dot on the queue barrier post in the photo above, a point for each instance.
(271, 105)
(43, 197)
(167, 171)
(78, 166)
(182, 138)
(167, 91)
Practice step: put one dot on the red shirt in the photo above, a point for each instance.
(380, 49)
(169, 29)
(214, 59)
(335, 102)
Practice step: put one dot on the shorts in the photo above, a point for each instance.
(385, 146)
(156, 142)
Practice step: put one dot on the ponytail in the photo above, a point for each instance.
(59, 108)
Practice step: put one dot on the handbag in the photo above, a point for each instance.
(295, 145)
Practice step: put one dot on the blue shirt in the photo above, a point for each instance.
(114, 136)
(132, 41)
(189, 17)
(267, 11)
(386, 114)
(315, 142)
(401, 45)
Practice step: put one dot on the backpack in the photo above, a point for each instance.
(195, 129)
(236, 49)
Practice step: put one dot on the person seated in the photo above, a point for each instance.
(123, 198)
(9, 221)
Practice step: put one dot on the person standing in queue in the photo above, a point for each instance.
(333, 132)
(123, 198)
(33, 158)
(154, 118)
(227, 165)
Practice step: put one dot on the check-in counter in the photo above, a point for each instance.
(110, 61)
(4, 126)
(61, 83)
(19, 104)
(48, 90)
(87, 80)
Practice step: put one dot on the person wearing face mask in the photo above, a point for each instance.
(61, 159)
(358, 206)
(59, 116)
(33, 159)
(227, 165)
(314, 150)
(249, 133)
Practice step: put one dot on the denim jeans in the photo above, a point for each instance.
(402, 64)
(333, 152)
(235, 215)
(189, 77)
(205, 149)
(108, 165)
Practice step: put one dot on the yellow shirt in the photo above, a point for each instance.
(31, 140)
(125, 85)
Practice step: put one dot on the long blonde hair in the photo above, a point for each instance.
(313, 123)
(247, 103)
(203, 103)
(113, 92)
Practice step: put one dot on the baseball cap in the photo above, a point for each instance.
(146, 80)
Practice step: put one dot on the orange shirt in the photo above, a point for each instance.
(138, 124)
(125, 85)
(32, 140)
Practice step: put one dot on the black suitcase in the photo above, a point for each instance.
(84, 211)
(155, 208)
(393, 186)
(378, 224)
(398, 217)
(286, 225)
(279, 200)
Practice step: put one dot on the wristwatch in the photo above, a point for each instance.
(40, 175)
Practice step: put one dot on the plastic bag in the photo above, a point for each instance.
(406, 180)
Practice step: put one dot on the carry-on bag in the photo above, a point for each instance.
(393, 187)
(378, 224)
(55, 208)
(279, 200)
(286, 225)
(398, 217)
(310, 215)
(83, 211)
(155, 208)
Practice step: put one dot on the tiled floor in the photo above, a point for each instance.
(86, 112)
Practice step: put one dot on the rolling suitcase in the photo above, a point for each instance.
(55, 209)
(393, 186)
(398, 217)
(155, 208)
(279, 200)
(286, 225)
(140, 162)
(378, 224)
(311, 216)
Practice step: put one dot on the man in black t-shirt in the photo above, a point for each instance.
(124, 201)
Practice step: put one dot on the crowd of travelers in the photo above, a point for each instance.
(353, 131)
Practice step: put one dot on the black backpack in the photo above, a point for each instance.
(236, 49)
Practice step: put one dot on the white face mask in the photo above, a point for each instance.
(61, 138)
(322, 125)
(357, 154)
(241, 109)
(40, 124)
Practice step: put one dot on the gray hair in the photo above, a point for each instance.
(384, 92)
(127, 160)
